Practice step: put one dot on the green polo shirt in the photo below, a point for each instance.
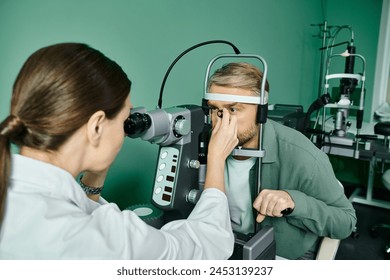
(294, 164)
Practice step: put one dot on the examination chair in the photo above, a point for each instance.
(383, 128)
(328, 249)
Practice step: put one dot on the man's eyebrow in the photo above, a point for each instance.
(226, 104)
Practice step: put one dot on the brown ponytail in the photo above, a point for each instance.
(58, 88)
(10, 128)
(4, 171)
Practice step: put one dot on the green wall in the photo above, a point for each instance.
(144, 37)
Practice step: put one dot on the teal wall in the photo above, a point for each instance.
(144, 37)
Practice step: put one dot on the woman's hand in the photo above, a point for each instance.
(223, 137)
(222, 142)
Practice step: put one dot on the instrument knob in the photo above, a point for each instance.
(182, 127)
(195, 164)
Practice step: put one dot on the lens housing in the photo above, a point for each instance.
(137, 123)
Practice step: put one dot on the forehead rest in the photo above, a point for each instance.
(236, 98)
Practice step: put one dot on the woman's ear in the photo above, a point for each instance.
(95, 127)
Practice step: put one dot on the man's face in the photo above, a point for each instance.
(246, 115)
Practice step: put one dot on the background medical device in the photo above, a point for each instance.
(182, 132)
(348, 83)
(340, 100)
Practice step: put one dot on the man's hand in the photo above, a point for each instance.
(272, 203)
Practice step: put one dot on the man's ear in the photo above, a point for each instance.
(95, 127)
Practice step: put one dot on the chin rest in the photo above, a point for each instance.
(260, 246)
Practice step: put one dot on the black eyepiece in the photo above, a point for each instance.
(137, 123)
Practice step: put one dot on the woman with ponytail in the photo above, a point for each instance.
(68, 106)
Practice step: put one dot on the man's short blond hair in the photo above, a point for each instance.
(238, 75)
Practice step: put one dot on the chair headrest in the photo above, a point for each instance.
(382, 128)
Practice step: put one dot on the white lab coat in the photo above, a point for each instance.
(48, 216)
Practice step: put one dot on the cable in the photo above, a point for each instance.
(319, 103)
(159, 104)
(335, 45)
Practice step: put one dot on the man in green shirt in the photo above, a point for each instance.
(295, 174)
